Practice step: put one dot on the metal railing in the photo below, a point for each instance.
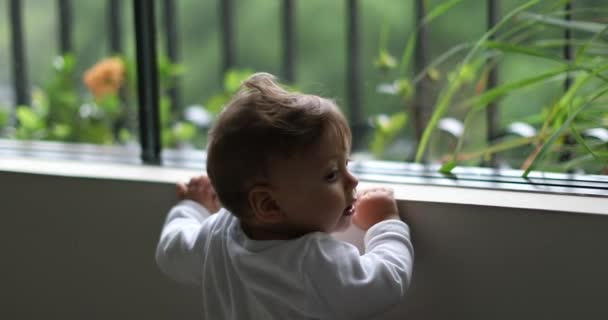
(148, 87)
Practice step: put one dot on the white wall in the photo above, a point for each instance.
(76, 248)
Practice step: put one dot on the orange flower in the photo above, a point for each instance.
(105, 77)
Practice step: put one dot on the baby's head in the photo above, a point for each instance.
(277, 161)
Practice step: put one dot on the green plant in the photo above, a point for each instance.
(232, 81)
(60, 111)
(386, 129)
(559, 125)
(4, 117)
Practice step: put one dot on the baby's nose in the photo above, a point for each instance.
(353, 181)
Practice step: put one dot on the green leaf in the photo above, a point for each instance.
(61, 131)
(233, 79)
(445, 98)
(440, 9)
(66, 99)
(96, 132)
(64, 64)
(216, 103)
(501, 146)
(481, 101)
(566, 100)
(28, 119)
(407, 53)
(557, 133)
(404, 88)
(395, 123)
(165, 111)
(582, 49)
(167, 138)
(411, 43)
(441, 59)
(184, 131)
(447, 167)
(582, 142)
(110, 103)
(385, 61)
(387, 129)
(69, 63)
(585, 26)
(578, 161)
(124, 135)
(514, 48)
(4, 116)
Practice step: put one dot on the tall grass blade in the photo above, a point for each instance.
(439, 10)
(581, 50)
(481, 101)
(444, 100)
(585, 26)
(557, 133)
(430, 16)
(512, 48)
(583, 143)
(507, 47)
(441, 59)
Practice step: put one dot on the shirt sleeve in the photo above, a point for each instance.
(353, 286)
(180, 249)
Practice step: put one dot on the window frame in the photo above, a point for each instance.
(369, 171)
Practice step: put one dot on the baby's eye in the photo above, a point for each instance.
(332, 176)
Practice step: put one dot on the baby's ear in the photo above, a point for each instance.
(263, 205)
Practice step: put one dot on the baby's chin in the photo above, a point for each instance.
(343, 223)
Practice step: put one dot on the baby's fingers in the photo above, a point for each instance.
(181, 191)
(375, 191)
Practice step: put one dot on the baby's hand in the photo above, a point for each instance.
(373, 206)
(199, 189)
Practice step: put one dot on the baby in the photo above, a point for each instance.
(277, 164)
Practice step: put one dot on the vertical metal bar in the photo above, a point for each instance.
(353, 73)
(492, 116)
(226, 10)
(172, 42)
(568, 55)
(115, 26)
(147, 81)
(22, 95)
(65, 26)
(568, 45)
(421, 101)
(289, 22)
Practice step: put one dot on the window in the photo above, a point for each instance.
(515, 85)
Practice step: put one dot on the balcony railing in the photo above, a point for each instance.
(148, 86)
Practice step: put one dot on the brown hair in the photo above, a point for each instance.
(263, 120)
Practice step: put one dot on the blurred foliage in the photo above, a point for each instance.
(527, 31)
(4, 117)
(527, 47)
(103, 115)
(386, 130)
(232, 81)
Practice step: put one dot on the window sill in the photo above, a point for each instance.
(412, 182)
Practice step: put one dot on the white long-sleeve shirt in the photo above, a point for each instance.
(312, 277)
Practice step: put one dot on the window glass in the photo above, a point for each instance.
(550, 114)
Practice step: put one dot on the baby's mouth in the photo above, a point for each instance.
(349, 211)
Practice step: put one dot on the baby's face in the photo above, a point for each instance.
(315, 190)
